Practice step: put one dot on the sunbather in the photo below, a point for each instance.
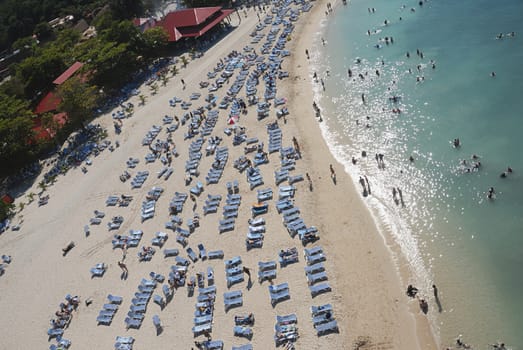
(68, 248)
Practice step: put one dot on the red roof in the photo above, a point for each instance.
(41, 133)
(68, 73)
(49, 103)
(7, 199)
(192, 22)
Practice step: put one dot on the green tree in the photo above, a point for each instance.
(78, 100)
(5, 210)
(184, 60)
(155, 41)
(174, 70)
(126, 9)
(112, 64)
(40, 70)
(17, 146)
(43, 31)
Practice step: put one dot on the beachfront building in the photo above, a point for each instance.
(50, 102)
(191, 23)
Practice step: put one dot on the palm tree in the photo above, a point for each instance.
(174, 70)
(184, 61)
(142, 98)
(154, 88)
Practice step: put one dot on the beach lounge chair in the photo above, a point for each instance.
(311, 269)
(55, 332)
(316, 277)
(215, 254)
(232, 280)
(257, 222)
(245, 332)
(167, 293)
(133, 323)
(114, 299)
(98, 270)
(104, 320)
(232, 299)
(312, 251)
(181, 261)
(181, 240)
(318, 310)
(211, 345)
(277, 297)
(243, 347)
(327, 328)
(319, 289)
(268, 275)
(288, 256)
(314, 259)
(226, 228)
(247, 320)
(202, 320)
(202, 329)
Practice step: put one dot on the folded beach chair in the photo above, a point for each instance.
(319, 289)
(245, 332)
(215, 254)
(170, 252)
(157, 324)
(202, 251)
(192, 254)
(181, 240)
(158, 299)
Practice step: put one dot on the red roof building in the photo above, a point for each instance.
(68, 73)
(49, 103)
(190, 23)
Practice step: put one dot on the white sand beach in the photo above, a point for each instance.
(368, 300)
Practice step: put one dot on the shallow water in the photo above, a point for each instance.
(472, 248)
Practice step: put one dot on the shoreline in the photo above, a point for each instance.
(419, 326)
(369, 302)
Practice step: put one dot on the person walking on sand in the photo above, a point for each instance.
(125, 271)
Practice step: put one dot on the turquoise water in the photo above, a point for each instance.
(448, 231)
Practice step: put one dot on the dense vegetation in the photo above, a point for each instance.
(111, 58)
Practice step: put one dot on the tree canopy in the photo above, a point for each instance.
(15, 134)
(79, 100)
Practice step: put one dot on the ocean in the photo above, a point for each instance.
(460, 80)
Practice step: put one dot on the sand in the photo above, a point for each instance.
(369, 301)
